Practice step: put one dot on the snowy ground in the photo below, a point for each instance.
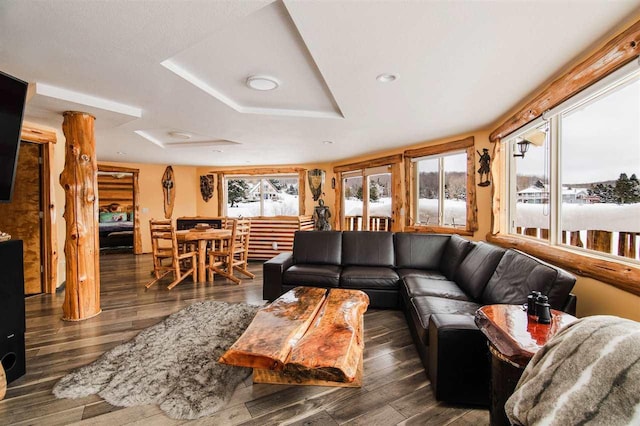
(286, 206)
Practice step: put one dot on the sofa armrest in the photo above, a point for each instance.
(272, 275)
(570, 304)
(459, 366)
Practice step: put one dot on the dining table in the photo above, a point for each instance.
(202, 237)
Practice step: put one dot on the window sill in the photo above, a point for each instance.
(617, 273)
(438, 230)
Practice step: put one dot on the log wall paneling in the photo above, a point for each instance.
(113, 189)
(21, 217)
(79, 180)
(280, 230)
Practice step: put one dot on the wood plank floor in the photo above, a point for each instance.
(395, 388)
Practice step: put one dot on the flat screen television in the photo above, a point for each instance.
(13, 93)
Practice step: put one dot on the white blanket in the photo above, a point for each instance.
(589, 373)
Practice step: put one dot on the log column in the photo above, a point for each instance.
(81, 248)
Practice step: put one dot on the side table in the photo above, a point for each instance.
(514, 338)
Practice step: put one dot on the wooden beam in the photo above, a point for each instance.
(260, 171)
(79, 180)
(472, 206)
(302, 192)
(397, 178)
(337, 217)
(37, 134)
(623, 276)
(614, 54)
(440, 148)
(50, 228)
(367, 164)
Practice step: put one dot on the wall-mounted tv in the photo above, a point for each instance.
(13, 93)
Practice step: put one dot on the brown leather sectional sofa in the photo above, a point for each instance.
(438, 281)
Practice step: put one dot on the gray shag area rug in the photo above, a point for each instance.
(173, 364)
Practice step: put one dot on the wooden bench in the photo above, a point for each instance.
(308, 336)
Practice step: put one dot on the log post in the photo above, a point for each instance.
(79, 179)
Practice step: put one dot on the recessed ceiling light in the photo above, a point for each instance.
(121, 153)
(180, 135)
(387, 78)
(327, 142)
(262, 82)
(217, 150)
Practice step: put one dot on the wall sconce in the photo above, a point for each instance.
(333, 183)
(523, 147)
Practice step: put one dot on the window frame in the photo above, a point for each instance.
(466, 145)
(397, 205)
(223, 175)
(614, 270)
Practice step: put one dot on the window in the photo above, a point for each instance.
(441, 181)
(251, 196)
(577, 185)
(441, 185)
(367, 207)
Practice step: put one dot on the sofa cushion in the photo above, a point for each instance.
(425, 273)
(421, 286)
(455, 251)
(518, 274)
(318, 247)
(477, 267)
(365, 248)
(312, 275)
(419, 251)
(422, 307)
(378, 277)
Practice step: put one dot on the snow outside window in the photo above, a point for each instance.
(578, 185)
(441, 186)
(251, 196)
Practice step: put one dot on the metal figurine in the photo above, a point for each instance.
(485, 169)
(321, 217)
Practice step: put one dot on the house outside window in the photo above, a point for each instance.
(253, 196)
(577, 185)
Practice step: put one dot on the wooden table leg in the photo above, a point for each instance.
(202, 257)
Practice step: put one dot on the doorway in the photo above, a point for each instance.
(22, 218)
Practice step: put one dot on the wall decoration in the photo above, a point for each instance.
(169, 189)
(206, 187)
(316, 182)
(321, 217)
(485, 168)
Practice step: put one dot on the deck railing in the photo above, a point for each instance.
(624, 244)
(376, 223)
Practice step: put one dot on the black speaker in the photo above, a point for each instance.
(12, 356)
(12, 317)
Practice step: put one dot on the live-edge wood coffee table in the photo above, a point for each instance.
(308, 336)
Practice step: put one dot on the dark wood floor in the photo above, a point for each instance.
(395, 389)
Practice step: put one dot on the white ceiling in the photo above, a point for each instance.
(461, 65)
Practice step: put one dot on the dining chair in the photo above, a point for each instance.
(240, 261)
(164, 245)
(221, 257)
